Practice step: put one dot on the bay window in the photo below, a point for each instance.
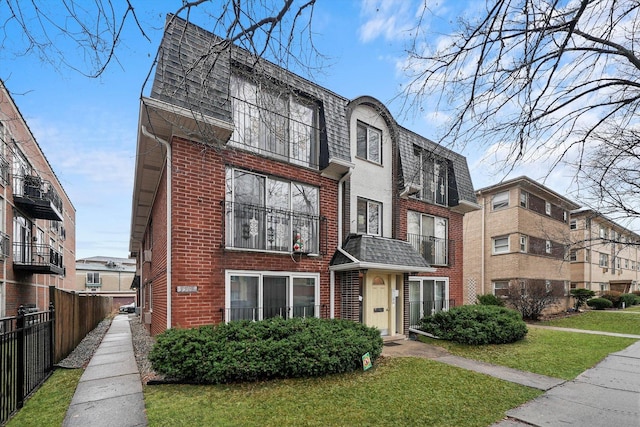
(266, 213)
(262, 295)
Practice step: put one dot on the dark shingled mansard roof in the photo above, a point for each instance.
(380, 253)
(189, 78)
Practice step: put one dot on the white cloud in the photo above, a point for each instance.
(389, 19)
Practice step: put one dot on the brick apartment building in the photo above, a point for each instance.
(37, 219)
(258, 193)
(521, 235)
(604, 256)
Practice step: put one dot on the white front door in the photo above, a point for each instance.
(378, 303)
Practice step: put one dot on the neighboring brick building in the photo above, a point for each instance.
(604, 256)
(258, 193)
(37, 219)
(521, 235)
(107, 276)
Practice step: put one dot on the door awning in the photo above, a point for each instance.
(363, 252)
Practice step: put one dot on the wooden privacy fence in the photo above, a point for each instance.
(76, 316)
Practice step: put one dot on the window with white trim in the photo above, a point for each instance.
(369, 217)
(255, 295)
(523, 243)
(427, 296)
(524, 198)
(428, 235)
(368, 142)
(433, 176)
(500, 244)
(604, 260)
(267, 213)
(93, 278)
(573, 225)
(274, 121)
(573, 255)
(500, 200)
(547, 208)
(501, 288)
(547, 246)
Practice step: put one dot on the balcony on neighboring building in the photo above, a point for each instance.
(37, 258)
(37, 197)
(436, 251)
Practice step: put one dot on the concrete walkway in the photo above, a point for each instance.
(110, 390)
(607, 394)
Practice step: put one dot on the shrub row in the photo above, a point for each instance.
(476, 324)
(272, 348)
(617, 298)
(599, 303)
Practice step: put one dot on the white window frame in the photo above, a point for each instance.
(290, 275)
(573, 255)
(420, 312)
(440, 248)
(365, 152)
(91, 278)
(524, 199)
(501, 249)
(573, 224)
(604, 260)
(370, 205)
(524, 243)
(500, 200)
(547, 246)
(502, 285)
(547, 208)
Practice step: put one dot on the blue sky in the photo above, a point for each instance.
(87, 128)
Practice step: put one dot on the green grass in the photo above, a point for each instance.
(48, 406)
(399, 391)
(623, 322)
(554, 353)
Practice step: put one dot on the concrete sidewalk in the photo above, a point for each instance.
(110, 390)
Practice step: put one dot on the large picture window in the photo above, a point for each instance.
(274, 121)
(267, 213)
(262, 295)
(428, 235)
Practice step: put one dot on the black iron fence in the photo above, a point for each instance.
(26, 357)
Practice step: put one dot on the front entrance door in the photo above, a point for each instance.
(378, 303)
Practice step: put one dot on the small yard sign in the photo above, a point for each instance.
(366, 361)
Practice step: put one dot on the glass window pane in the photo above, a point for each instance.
(304, 294)
(249, 211)
(374, 218)
(374, 145)
(244, 298)
(275, 298)
(362, 216)
(302, 134)
(361, 141)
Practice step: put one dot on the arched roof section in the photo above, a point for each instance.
(379, 107)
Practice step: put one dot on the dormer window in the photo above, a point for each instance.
(433, 177)
(274, 121)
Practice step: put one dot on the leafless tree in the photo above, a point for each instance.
(542, 79)
(85, 36)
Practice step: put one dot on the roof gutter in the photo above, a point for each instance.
(148, 134)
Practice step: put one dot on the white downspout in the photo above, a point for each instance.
(146, 133)
(482, 249)
(332, 274)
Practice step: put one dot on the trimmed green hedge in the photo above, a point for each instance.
(490, 299)
(599, 303)
(272, 348)
(629, 300)
(476, 324)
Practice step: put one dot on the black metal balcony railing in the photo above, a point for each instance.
(5, 248)
(436, 251)
(420, 309)
(260, 313)
(37, 197)
(37, 258)
(271, 229)
(4, 170)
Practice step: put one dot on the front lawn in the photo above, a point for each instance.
(399, 391)
(623, 322)
(554, 353)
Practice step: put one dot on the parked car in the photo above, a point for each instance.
(128, 308)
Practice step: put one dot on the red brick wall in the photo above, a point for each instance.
(198, 254)
(454, 271)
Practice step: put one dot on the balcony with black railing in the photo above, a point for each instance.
(271, 229)
(37, 197)
(436, 251)
(37, 258)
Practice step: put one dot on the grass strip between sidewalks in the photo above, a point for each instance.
(622, 322)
